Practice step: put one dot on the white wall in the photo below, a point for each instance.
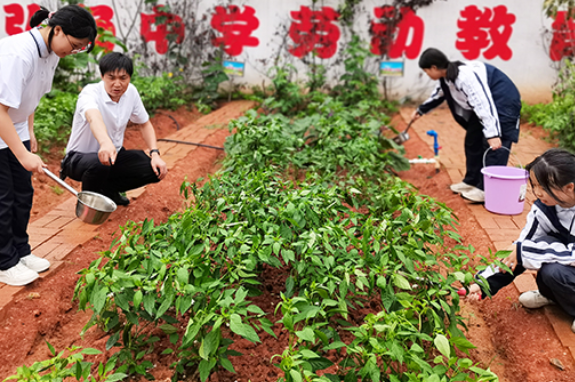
(530, 66)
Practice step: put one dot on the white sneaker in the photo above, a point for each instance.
(533, 300)
(35, 263)
(18, 275)
(573, 327)
(475, 195)
(460, 187)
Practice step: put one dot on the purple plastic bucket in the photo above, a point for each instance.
(505, 189)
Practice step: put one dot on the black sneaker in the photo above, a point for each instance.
(119, 199)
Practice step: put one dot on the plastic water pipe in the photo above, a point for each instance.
(436, 148)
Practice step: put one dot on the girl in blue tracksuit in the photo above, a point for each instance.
(546, 243)
(485, 102)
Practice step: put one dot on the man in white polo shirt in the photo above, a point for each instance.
(95, 154)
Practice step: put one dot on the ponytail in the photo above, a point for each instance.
(434, 57)
(74, 20)
(40, 15)
(453, 70)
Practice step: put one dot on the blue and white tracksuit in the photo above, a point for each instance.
(545, 244)
(486, 103)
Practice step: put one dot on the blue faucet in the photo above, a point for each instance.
(436, 146)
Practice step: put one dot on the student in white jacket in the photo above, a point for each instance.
(27, 64)
(546, 243)
(485, 102)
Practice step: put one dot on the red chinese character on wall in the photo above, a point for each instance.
(314, 31)
(236, 28)
(480, 28)
(103, 15)
(394, 42)
(16, 21)
(563, 41)
(171, 25)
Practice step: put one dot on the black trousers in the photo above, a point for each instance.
(16, 194)
(555, 281)
(132, 169)
(475, 146)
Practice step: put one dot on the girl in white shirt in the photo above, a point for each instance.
(27, 64)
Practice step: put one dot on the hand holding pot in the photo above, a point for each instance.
(32, 162)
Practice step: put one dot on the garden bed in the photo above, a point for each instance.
(54, 318)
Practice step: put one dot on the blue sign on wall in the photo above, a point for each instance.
(391, 68)
(234, 68)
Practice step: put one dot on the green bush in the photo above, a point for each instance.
(558, 116)
(164, 92)
(53, 119)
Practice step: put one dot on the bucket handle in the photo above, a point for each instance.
(502, 147)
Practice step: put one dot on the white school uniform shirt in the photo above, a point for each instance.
(26, 73)
(115, 115)
(471, 93)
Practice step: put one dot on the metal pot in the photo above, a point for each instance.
(91, 207)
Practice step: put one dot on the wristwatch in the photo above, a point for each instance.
(154, 151)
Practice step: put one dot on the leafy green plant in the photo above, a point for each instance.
(53, 118)
(357, 84)
(288, 97)
(164, 92)
(208, 92)
(69, 365)
(332, 139)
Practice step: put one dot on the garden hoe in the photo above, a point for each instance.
(403, 136)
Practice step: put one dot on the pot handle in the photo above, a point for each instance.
(502, 147)
(60, 182)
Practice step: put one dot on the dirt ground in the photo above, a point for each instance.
(516, 343)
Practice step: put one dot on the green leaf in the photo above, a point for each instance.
(308, 353)
(226, 364)
(137, 299)
(296, 377)
(99, 299)
(168, 329)
(182, 276)
(307, 334)
(335, 345)
(149, 303)
(116, 377)
(241, 329)
(210, 344)
(90, 351)
(462, 343)
(52, 350)
(401, 282)
(442, 344)
(205, 368)
(112, 340)
(166, 304)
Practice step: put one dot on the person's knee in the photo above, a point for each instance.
(552, 274)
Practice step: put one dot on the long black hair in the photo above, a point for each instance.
(553, 169)
(74, 20)
(434, 57)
